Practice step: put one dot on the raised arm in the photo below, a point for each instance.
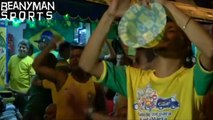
(89, 58)
(47, 72)
(195, 33)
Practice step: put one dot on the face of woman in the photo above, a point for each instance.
(173, 41)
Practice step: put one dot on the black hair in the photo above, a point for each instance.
(49, 61)
(116, 44)
(189, 60)
(110, 94)
(76, 47)
(31, 49)
(24, 42)
(168, 19)
(63, 46)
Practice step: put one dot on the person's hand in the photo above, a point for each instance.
(117, 7)
(50, 112)
(37, 83)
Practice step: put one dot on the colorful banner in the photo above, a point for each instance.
(37, 36)
(3, 33)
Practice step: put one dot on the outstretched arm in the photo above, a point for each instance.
(89, 58)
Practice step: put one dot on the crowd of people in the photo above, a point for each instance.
(56, 87)
(162, 82)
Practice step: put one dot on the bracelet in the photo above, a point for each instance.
(185, 26)
(109, 16)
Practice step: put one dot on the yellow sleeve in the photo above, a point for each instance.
(101, 79)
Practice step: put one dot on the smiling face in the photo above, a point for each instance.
(22, 50)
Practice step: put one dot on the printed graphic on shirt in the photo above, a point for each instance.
(156, 106)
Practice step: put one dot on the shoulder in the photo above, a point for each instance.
(13, 59)
(135, 71)
(14, 56)
(27, 60)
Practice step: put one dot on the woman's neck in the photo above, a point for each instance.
(164, 67)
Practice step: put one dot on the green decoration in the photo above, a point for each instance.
(32, 24)
(42, 22)
(16, 22)
(68, 23)
(66, 17)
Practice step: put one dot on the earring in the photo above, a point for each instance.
(194, 59)
(188, 59)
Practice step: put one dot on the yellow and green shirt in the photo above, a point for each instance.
(21, 72)
(178, 96)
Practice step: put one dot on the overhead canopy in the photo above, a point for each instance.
(81, 8)
(196, 12)
(93, 9)
(204, 3)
